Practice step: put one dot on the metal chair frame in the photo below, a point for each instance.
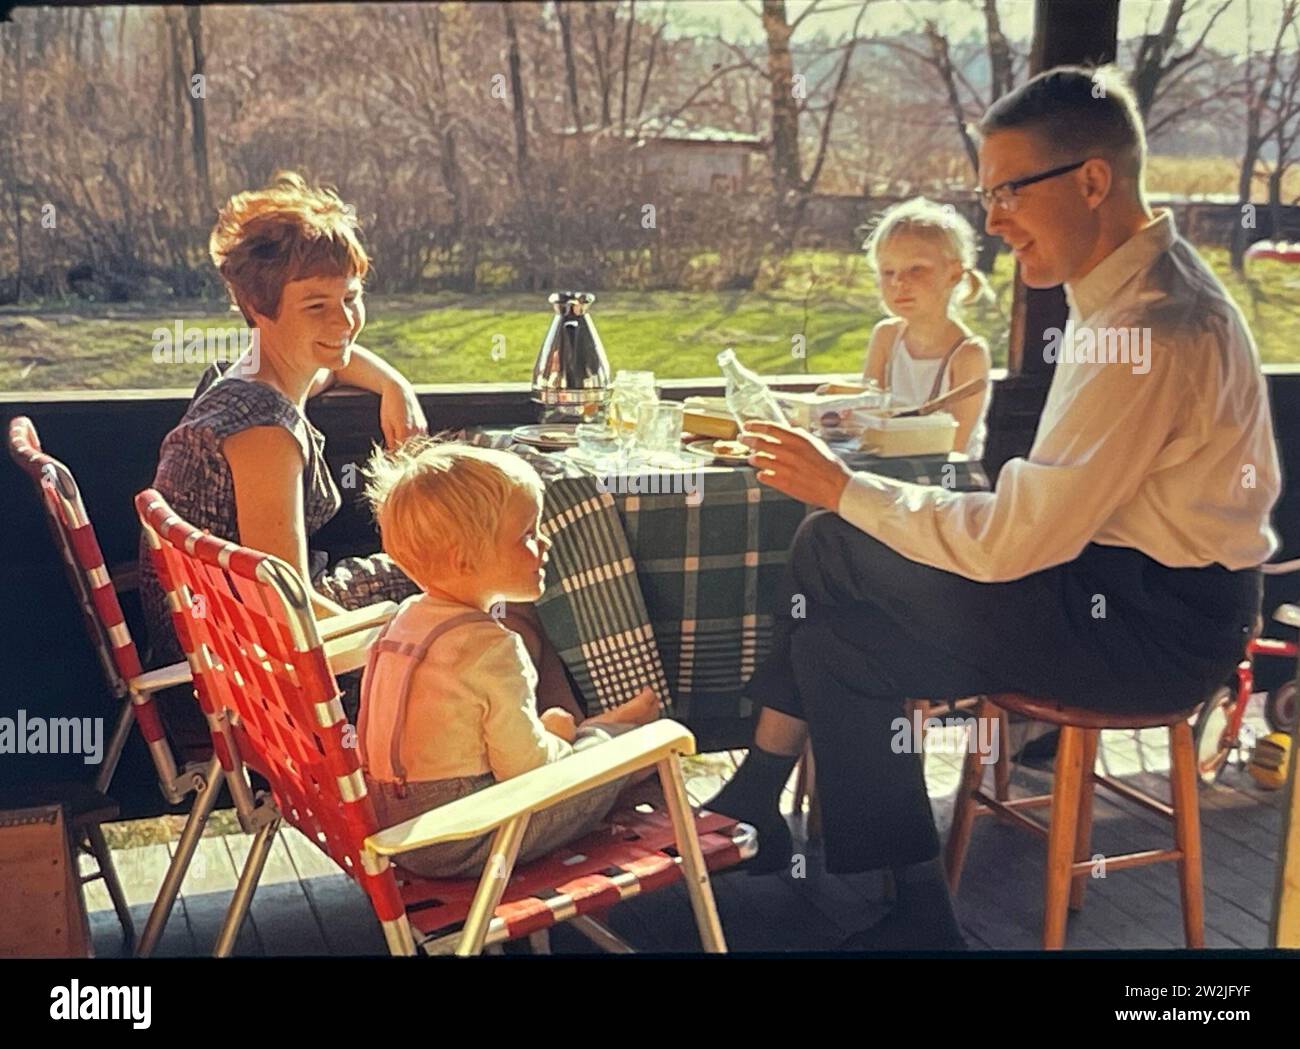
(265, 680)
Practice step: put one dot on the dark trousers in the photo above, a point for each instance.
(862, 629)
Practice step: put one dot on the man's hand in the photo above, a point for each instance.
(796, 463)
(400, 414)
(559, 722)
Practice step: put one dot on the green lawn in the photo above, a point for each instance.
(828, 298)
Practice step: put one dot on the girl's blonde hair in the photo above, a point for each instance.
(439, 503)
(942, 225)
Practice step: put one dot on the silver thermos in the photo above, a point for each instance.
(571, 376)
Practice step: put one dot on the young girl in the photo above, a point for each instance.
(921, 253)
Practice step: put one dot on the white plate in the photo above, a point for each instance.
(550, 437)
(704, 449)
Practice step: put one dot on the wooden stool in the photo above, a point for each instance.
(805, 784)
(1070, 830)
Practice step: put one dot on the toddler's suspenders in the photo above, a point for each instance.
(415, 654)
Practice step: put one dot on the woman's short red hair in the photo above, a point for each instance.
(287, 231)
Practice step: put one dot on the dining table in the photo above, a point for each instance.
(669, 577)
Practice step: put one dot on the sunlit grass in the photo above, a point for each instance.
(828, 298)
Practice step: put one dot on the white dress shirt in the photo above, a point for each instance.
(1163, 444)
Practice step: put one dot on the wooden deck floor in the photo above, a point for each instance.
(306, 906)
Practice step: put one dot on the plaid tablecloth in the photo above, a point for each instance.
(667, 579)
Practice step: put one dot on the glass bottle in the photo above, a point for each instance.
(748, 396)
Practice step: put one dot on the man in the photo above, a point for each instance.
(1112, 568)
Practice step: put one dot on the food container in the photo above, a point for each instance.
(914, 435)
(708, 417)
(829, 411)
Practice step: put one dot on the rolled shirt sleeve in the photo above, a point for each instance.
(1105, 430)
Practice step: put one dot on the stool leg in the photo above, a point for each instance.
(1187, 831)
(1083, 833)
(1002, 767)
(963, 815)
(1066, 783)
(813, 828)
(802, 784)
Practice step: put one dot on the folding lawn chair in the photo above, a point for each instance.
(74, 537)
(266, 681)
(96, 594)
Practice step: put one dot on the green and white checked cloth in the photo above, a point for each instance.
(669, 579)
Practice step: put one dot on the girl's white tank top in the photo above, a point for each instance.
(914, 381)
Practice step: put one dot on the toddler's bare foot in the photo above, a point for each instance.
(641, 709)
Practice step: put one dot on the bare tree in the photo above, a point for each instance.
(629, 30)
(602, 39)
(1258, 92)
(197, 92)
(1285, 114)
(791, 188)
(517, 97)
(570, 64)
(1156, 59)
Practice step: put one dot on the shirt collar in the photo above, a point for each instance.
(1097, 287)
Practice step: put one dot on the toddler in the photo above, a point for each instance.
(448, 701)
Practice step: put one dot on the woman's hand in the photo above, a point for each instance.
(796, 463)
(400, 414)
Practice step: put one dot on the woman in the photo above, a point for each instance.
(244, 462)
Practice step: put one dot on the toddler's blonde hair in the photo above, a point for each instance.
(439, 503)
(940, 224)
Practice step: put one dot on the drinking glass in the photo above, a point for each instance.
(631, 389)
(659, 427)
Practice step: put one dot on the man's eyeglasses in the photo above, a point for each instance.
(1004, 193)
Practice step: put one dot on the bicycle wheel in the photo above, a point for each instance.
(1211, 735)
(1280, 708)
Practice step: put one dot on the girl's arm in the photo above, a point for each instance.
(971, 361)
(400, 414)
(266, 468)
(877, 364)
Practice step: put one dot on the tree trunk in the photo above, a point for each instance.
(1245, 180)
(82, 15)
(15, 140)
(783, 151)
(1275, 198)
(943, 63)
(600, 58)
(570, 66)
(198, 112)
(519, 101)
(650, 64)
(627, 54)
(173, 107)
(1003, 75)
